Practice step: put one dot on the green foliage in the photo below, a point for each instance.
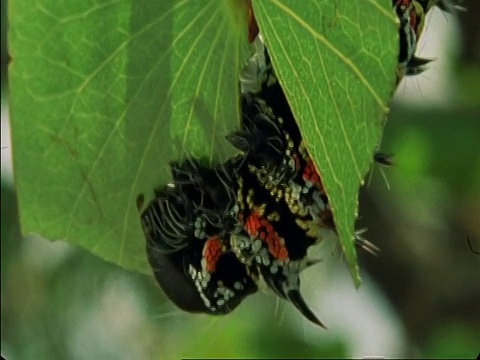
(453, 341)
(106, 93)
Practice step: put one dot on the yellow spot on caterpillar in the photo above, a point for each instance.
(274, 216)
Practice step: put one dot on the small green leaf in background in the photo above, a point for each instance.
(337, 62)
(104, 93)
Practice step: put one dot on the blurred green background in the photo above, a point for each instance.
(420, 295)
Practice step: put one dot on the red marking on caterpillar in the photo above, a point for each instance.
(253, 223)
(212, 250)
(403, 3)
(413, 20)
(259, 227)
(311, 175)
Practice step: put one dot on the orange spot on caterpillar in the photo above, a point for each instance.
(212, 250)
(259, 227)
(310, 174)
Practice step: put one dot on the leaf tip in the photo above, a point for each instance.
(357, 279)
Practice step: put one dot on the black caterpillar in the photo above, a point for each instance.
(219, 232)
(216, 234)
(412, 15)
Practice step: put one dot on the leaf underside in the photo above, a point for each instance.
(104, 93)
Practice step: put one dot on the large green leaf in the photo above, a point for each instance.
(337, 62)
(103, 94)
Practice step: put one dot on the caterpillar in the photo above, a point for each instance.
(218, 234)
(188, 240)
(221, 231)
(168, 220)
(412, 15)
(203, 277)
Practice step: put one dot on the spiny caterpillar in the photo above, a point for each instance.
(217, 234)
(412, 15)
